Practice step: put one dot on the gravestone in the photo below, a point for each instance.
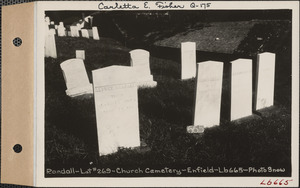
(188, 60)
(74, 31)
(241, 88)
(265, 80)
(47, 20)
(95, 33)
(116, 103)
(50, 45)
(80, 54)
(76, 78)
(52, 31)
(90, 31)
(85, 33)
(141, 64)
(208, 93)
(61, 30)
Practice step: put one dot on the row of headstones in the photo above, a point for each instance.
(60, 30)
(209, 88)
(76, 78)
(115, 94)
(75, 31)
(116, 103)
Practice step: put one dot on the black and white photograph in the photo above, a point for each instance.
(168, 93)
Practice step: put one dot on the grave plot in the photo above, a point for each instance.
(73, 124)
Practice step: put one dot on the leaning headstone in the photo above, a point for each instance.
(76, 78)
(95, 33)
(85, 33)
(241, 88)
(116, 103)
(188, 60)
(74, 31)
(265, 83)
(208, 94)
(50, 45)
(80, 54)
(141, 64)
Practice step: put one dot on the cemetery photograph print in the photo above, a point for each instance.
(168, 93)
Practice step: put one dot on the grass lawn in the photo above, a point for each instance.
(165, 112)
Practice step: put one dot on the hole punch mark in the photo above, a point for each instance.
(17, 148)
(17, 41)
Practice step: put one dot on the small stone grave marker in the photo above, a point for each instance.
(141, 64)
(80, 54)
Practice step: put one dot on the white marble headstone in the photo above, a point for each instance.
(76, 78)
(208, 93)
(188, 60)
(116, 103)
(74, 31)
(50, 44)
(95, 33)
(52, 31)
(85, 33)
(141, 64)
(80, 54)
(61, 30)
(241, 88)
(61, 24)
(265, 81)
(47, 20)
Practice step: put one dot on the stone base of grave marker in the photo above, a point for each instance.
(195, 129)
(146, 81)
(74, 92)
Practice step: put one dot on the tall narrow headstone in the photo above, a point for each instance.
(241, 88)
(76, 78)
(141, 64)
(207, 96)
(116, 103)
(265, 81)
(95, 33)
(80, 54)
(50, 44)
(85, 33)
(188, 60)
